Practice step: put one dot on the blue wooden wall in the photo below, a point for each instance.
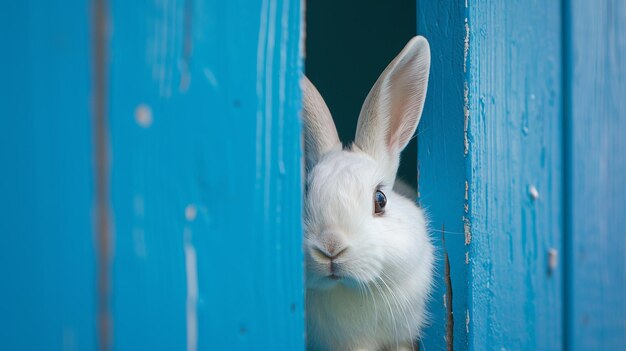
(47, 196)
(520, 167)
(151, 166)
(442, 170)
(516, 175)
(596, 166)
(151, 174)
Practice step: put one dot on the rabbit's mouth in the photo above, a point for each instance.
(334, 276)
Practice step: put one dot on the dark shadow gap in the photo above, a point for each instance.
(348, 45)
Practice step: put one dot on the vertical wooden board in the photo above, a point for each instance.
(490, 172)
(47, 265)
(206, 164)
(596, 196)
(442, 169)
(515, 186)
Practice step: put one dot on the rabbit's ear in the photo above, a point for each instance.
(393, 107)
(320, 134)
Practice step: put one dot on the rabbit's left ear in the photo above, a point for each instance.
(393, 107)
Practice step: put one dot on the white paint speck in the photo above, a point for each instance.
(143, 115)
(467, 321)
(191, 268)
(553, 259)
(190, 212)
(533, 192)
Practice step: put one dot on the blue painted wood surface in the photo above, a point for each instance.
(47, 265)
(490, 160)
(442, 170)
(596, 195)
(205, 175)
(151, 184)
(199, 157)
(515, 189)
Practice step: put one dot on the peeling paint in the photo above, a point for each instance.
(467, 257)
(466, 115)
(467, 321)
(467, 230)
(466, 204)
(466, 190)
(466, 112)
(466, 45)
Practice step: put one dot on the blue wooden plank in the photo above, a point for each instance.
(206, 164)
(596, 196)
(515, 187)
(490, 159)
(47, 265)
(442, 169)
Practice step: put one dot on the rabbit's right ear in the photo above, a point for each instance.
(393, 107)
(320, 134)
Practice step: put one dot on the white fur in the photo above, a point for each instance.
(386, 268)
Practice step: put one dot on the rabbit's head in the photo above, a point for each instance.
(357, 229)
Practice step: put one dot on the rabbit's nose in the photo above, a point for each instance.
(329, 251)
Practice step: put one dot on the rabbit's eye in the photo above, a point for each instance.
(380, 200)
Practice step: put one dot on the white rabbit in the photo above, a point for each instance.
(369, 258)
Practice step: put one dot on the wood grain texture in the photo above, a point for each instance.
(443, 168)
(596, 195)
(515, 188)
(47, 265)
(493, 119)
(206, 164)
